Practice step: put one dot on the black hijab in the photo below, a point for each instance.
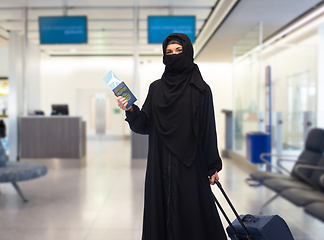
(176, 102)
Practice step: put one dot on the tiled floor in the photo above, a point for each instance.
(101, 198)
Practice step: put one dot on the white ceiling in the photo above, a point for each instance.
(274, 14)
(111, 23)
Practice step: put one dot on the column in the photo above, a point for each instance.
(320, 78)
(15, 96)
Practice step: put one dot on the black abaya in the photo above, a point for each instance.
(178, 203)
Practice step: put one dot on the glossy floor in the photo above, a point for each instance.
(101, 198)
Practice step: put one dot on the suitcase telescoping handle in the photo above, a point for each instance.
(237, 236)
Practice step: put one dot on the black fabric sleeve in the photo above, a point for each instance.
(209, 138)
(139, 120)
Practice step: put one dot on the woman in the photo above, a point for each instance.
(183, 158)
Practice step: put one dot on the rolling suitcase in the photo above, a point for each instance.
(254, 227)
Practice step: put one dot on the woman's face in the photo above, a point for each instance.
(173, 49)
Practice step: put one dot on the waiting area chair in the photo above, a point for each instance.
(13, 172)
(315, 193)
(303, 186)
(313, 151)
(312, 201)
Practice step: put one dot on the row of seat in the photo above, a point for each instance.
(13, 172)
(304, 186)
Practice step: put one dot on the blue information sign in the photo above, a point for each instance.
(63, 30)
(159, 27)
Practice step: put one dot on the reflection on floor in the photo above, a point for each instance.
(101, 197)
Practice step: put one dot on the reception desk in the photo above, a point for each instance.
(52, 137)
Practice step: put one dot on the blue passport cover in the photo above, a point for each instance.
(123, 90)
(119, 88)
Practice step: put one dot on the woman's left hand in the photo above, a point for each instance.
(122, 103)
(212, 178)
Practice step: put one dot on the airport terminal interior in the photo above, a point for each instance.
(71, 168)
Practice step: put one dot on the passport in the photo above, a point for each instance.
(120, 88)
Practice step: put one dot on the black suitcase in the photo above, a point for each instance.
(254, 227)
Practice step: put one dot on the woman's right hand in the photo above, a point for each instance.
(122, 103)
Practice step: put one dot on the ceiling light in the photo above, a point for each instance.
(73, 50)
